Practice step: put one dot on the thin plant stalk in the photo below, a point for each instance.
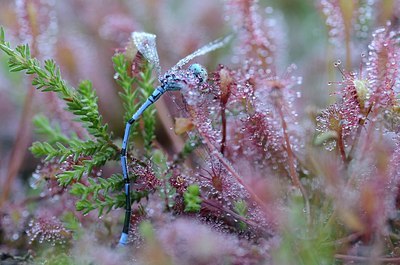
(223, 129)
(292, 170)
(20, 146)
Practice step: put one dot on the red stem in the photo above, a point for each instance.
(235, 215)
(361, 124)
(359, 258)
(223, 120)
(341, 147)
(20, 146)
(292, 169)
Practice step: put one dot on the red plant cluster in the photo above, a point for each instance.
(47, 228)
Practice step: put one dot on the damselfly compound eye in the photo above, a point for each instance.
(199, 72)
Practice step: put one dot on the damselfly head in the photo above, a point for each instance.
(199, 72)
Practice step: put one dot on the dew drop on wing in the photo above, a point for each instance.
(146, 45)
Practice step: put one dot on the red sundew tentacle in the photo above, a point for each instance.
(340, 118)
(47, 228)
(383, 68)
(334, 20)
(257, 38)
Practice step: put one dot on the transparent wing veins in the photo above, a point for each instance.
(216, 44)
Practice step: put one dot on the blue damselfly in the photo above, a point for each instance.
(172, 80)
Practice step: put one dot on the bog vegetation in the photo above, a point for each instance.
(254, 168)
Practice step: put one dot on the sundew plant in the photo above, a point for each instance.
(288, 153)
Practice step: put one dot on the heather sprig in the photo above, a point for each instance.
(127, 77)
(146, 87)
(51, 131)
(80, 102)
(125, 81)
(79, 157)
(95, 151)
(103, 202)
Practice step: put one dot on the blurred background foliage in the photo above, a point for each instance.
(82, 36)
